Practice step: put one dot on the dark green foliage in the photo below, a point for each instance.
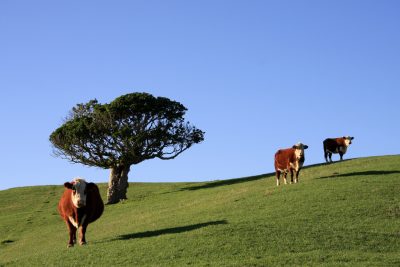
(132, 128)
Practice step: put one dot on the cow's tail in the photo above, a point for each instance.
(325, 151)
(276, 158)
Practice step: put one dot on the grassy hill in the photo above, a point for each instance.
(346, 213)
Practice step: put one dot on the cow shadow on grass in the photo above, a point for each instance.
(226, 182)
(173, 230)
(233, 181)
(338, 175)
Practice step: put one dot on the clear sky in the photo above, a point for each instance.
(256, 76)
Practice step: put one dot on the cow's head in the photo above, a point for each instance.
(299, 149)
(347, 140)
(78, 195)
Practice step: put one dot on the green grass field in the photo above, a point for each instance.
(346, 214)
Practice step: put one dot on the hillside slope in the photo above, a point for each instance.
(345, 213)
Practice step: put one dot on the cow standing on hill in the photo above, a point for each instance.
(336, 145)
(80, 205)
(290, 159)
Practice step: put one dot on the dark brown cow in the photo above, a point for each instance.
(290, 159)
(80, 205)
(336, 145)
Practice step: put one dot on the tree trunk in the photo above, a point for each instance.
(118, 184)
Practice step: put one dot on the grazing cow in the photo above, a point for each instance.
(80, 205)
(336, 145)
(290, 159)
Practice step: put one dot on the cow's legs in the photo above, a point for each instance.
(330, 156)
(341, 156)
(284, 176)
(278, 174)
(82, 232)
(72, 234)
(326, 153)
(296, 180)
(291, 176)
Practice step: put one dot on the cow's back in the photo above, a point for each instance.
(331, 143)
(283, 157)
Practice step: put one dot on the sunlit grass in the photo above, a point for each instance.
(344, 213)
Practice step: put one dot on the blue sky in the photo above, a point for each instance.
(256, 76)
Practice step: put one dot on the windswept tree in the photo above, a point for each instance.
(132, 128)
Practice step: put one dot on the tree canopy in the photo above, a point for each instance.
(132, 128)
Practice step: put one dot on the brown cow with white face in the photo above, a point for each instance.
(336, 145)
(80, 205)
(289, 160)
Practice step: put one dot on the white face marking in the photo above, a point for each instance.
(79, 193)
(299, 152)
(347, 142)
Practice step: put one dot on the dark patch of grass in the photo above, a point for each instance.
(363, 173)
(174, 230)
(226, 182)
(394, 211)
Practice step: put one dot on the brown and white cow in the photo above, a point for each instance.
(80, 205)
(289, 160)
(336, 145)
